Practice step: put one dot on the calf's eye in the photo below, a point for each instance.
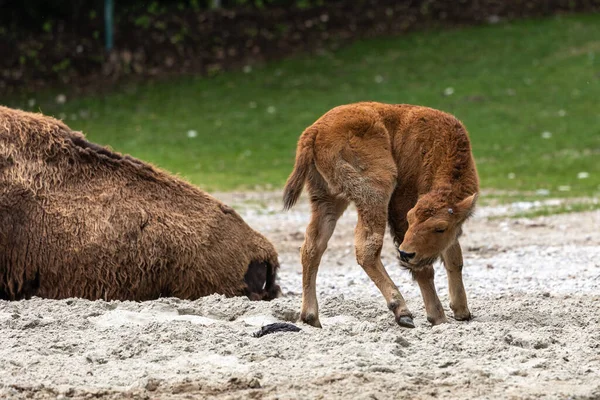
(440, 230)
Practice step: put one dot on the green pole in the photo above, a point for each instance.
(108, 24)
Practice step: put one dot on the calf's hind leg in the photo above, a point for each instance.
(453, 261)
(326, 210)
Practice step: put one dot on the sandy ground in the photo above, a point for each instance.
(533, 287)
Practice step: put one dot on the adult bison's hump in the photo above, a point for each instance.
(79, 220)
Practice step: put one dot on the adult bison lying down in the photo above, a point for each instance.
(405, 165)
(78, 220)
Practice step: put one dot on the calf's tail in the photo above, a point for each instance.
(304, 159)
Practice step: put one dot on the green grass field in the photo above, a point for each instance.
(528, 91)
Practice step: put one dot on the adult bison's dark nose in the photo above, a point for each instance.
(404, 256)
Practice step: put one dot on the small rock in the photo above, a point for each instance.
(398, 352)
(447, 364)
(379, 368)
(152, 385)
(254, 384)
(518, 373)
(540, 345)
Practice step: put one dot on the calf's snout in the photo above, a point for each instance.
(404, 256)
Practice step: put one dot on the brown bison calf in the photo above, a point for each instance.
(78, 220)
(406, 165)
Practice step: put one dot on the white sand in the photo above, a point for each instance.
(533, 286)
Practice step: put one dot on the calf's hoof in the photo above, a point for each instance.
(461, 313)
(463, 316)
(311, 319)
(405, 321)
(437, 320)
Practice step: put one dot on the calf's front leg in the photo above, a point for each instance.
(368, 242)
(453, 261)
(433, 306)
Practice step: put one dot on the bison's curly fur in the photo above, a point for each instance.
(79, 220)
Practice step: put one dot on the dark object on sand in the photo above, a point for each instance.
(276, 327)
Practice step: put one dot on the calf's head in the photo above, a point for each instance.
(433, 225)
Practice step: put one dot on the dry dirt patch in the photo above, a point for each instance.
(533, 285)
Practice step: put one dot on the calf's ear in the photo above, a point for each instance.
(466, 206)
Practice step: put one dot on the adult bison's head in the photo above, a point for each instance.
(433, 225)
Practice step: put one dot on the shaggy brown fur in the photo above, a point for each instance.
(406, 165)
(78, 220)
